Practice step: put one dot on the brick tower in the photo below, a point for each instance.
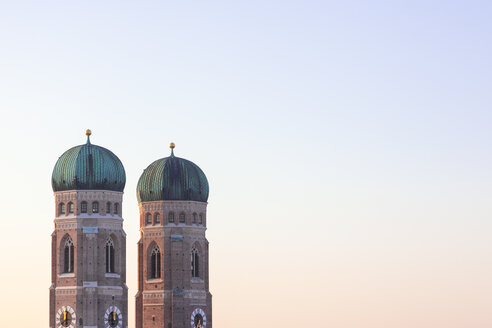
(173, 288)
(88, 271)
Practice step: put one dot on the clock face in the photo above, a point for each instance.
(65, 317)
(113, 318)
(198, 318)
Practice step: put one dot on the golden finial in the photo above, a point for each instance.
(172, 145)
(88, 134)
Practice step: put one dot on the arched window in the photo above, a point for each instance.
(70, 208)
(155, 263)
(115, 208)
(200, 219)
(68, 255)
(195, 272)
(194, 217)
(170, 217)
(83, 207)
(61, 209)
(157, 218)
(110, 256)
(181, 217)
(95, 207)
(148, 219)
(108, 207)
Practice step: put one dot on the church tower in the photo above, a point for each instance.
(173, 288)
(88, 253)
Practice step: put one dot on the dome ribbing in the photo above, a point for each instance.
(172, 178)
(88, 167)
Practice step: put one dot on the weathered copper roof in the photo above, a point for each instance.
(172, 178)
(88, 167)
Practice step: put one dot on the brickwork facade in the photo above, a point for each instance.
(88, 260)
(179, 292)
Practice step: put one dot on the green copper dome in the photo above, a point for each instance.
(88, 167)
(172, 178)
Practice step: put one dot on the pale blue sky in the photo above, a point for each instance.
(347, 146)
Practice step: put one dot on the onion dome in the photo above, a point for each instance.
(172, 178)
(88, 167)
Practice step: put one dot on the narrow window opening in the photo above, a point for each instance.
(194, 217)
(70, 208)
(108, 207)
(181, 218)
(115, 208)
(157, 218)
(68, 256)
(62, 208)
(83, 207)
(155, 263)
(110, 256)
(95, 207)
(148, 219)
(171, 217)
(195, 272)
(200, 219)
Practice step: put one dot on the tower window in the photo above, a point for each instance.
(83, 207)
(68, 256)
(194, 217)
(115, 208)
(181, 217)
(109, 256)
(62, 209)
(171, 216)
(200, 219)
(70, 208)
(155, 263)
(195, 272)
(108, 207)
(148, 219)
(157, 218)
(95, 207)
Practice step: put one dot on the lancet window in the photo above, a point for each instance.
(110, 256)
(155, 263)
(68, 256)
(195, 260)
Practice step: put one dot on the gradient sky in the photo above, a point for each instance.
(347, 145)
